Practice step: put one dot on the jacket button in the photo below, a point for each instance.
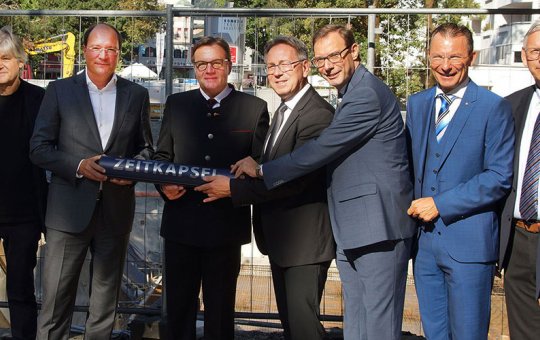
(432, 188)
(437, 155)
(435, 171)
(210, 136)
(207, 158)
(209, 115)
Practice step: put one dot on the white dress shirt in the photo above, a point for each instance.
(222, 95)
(291, 103)
(104, 105)
(532, 114)
(457, 94)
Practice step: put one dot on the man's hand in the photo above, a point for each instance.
(173, 191)
(244, 166)
(216, 187)
(89, 168)
(119, 181)
(423, 209)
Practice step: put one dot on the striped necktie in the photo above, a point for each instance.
(443, 118)
(278, 116)
(528, 203)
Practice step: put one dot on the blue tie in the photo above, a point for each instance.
(528, 203)
(443, 119)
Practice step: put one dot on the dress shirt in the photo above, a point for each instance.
(291, 103)
(457, 95)
(219, 97)
(532, 114)
(104, 105)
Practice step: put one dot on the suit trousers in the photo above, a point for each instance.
(520, 287)
(20, 246)
(374, 279)
(65, 254)
(186, 267)
(298, 295)
(454, 297)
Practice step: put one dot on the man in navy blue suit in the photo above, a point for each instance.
(462, 138)
(369, 187)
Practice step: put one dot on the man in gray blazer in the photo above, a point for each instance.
(82, 118)
(369, 187)
(291, 224)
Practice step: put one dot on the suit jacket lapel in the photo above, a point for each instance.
(122, 100)
(83, 97)
(295, 113)
(427, 119)
(460, 118)
(520, 117)
(522, 109)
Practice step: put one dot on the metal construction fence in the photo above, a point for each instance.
(393, 43)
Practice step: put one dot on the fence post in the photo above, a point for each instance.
(370, 64)
(169, 52)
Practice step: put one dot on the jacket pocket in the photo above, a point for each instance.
(356, 191)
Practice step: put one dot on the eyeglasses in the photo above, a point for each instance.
(284, 66)
(532, 53)
(108, 50)
(452, 60)
(334, 58)
(217, 64)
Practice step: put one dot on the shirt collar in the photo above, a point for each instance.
(111, 85)
(457, 92)
(226, 91)
(537, 92)
(291, 103)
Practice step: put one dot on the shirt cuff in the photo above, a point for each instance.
(77, 175)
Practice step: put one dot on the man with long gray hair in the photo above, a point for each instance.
(23, 196)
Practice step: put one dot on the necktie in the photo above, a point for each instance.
(443, 119)
(528, 203)
(211, 103)
(278, 118)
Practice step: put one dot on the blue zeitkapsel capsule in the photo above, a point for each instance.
(158, 171)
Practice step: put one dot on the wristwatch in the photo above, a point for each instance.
(258, 171)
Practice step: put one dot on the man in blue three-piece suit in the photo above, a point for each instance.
(461, 140)
(369, 187)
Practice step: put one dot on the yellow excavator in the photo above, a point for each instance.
(64, 43)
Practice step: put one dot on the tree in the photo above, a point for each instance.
(135, 31)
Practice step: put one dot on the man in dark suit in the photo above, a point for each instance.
(81, 118)
(291, 224)
(369, 187)
(24, 188)
(211, 126)
(520, 225)
(462, 138)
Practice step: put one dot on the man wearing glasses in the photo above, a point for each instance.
(212, 126)
(462, 138)
(291, 223)
(369, 187)
(520, 226)
(82, 118)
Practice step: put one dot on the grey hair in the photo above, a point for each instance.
(297, 44)
(535, 27)
(11, 44)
